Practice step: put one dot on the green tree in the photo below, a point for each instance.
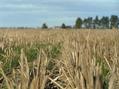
(104, 22)
(85, 23)
(44, 26)
(114, 21)
(90, 22)
(78, 23)
(96, 22)
(63, 26)
(118, 23)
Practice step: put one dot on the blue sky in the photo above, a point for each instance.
(33, 13)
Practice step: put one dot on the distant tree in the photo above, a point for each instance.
(90, 22)
(107, 22)
(96, 22)
(69, 27)
(114, 21)
(104, 22)
(63, 26)
(118, 23)
(85, 23)
(44, 26)
(78, 23)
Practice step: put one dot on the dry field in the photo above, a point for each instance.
(59, 59)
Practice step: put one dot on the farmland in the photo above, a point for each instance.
(59, 59)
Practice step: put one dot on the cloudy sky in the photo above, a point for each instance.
(55, 12)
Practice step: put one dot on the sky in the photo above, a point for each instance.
(33, 13)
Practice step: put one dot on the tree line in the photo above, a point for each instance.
(104, 22)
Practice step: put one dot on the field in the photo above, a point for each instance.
(59, 59)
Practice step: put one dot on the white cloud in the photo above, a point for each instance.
(20, 6)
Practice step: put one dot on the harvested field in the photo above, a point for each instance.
(59, 59)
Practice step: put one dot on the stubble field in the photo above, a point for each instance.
(59, 59)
